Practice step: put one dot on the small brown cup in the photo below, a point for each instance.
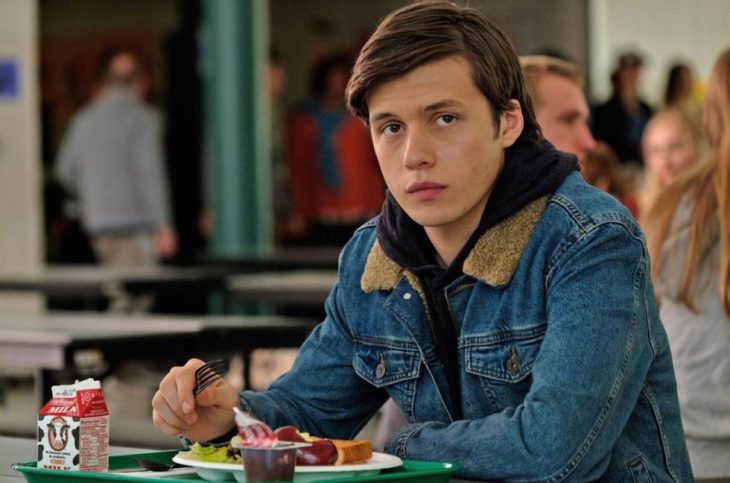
(269, 464)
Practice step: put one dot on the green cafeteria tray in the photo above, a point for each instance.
(421, 471)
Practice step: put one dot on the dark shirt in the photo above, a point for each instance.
(620, 129)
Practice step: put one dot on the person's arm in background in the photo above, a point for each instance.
(152, 182)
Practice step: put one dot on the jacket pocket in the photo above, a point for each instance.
(384, 362)
(502, 363)
(639, 473)
(505, 357)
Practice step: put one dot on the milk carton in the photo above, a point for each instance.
(73, 429)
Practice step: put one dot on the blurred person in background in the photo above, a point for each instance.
(688, 229)
(680, 81)
(671, 144)
(680, 93)
(111, 160)
(556, 89)
(561, 109)
(620, 121)
(334, 181)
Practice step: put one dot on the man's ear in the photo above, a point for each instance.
(511, 124)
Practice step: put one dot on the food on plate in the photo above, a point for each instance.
(321, 452)
(326, 451)
(215, 454)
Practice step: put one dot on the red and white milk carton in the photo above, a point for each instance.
(73, 429)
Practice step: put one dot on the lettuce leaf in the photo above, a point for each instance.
(212, 454)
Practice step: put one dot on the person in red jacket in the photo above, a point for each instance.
(334, 181)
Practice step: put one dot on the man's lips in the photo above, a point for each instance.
(425, 190)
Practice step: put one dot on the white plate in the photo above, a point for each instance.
(302, 474)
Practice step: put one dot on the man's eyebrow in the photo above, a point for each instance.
(380, 116)
(442, 104)
(431, 107)
(571, 114)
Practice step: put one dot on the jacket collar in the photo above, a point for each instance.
(493, 260)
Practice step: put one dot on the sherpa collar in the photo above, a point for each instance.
(493, 260)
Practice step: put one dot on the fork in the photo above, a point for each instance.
(208, 373)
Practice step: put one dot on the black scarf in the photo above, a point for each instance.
(531, 170)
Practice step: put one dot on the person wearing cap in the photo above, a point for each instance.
(500, 301)
(620, 121)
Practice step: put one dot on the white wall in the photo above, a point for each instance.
(20, 198)
(695, 31)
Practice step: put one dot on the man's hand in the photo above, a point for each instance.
(200, 418)
(165, 242)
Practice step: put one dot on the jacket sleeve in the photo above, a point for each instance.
(321, 394)
(586, 378)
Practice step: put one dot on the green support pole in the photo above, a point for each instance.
(238, 125)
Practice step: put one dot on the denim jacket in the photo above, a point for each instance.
(566, 373)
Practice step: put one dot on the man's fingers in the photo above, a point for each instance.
(220, 394)
(185, 383)
(164, 426)
(168, 410)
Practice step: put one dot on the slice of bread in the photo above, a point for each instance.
(352, 451)
(349, 451)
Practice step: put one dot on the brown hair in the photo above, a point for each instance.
(430, 30)
(602, 169)
(536, 66)
(708, 186)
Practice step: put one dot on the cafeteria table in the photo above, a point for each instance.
(49, 343)
(87, 282)
(302, 287)
(300, 258)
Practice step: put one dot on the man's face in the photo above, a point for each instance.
(437, 146)
(562, 114)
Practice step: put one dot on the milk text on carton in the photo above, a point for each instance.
(73, 429)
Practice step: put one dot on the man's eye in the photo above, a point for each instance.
(568, 120)
(391, 128)
(445, 119)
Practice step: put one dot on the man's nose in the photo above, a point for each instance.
(418, 150)
(585, 138)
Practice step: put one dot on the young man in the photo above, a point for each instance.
(501, 302)
(556, 89)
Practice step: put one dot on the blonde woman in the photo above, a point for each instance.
(689, 235)
(670, 144)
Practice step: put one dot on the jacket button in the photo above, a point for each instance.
(407, 296)
(513, 363)
(380, 368)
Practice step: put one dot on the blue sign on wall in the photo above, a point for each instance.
(9, 78)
